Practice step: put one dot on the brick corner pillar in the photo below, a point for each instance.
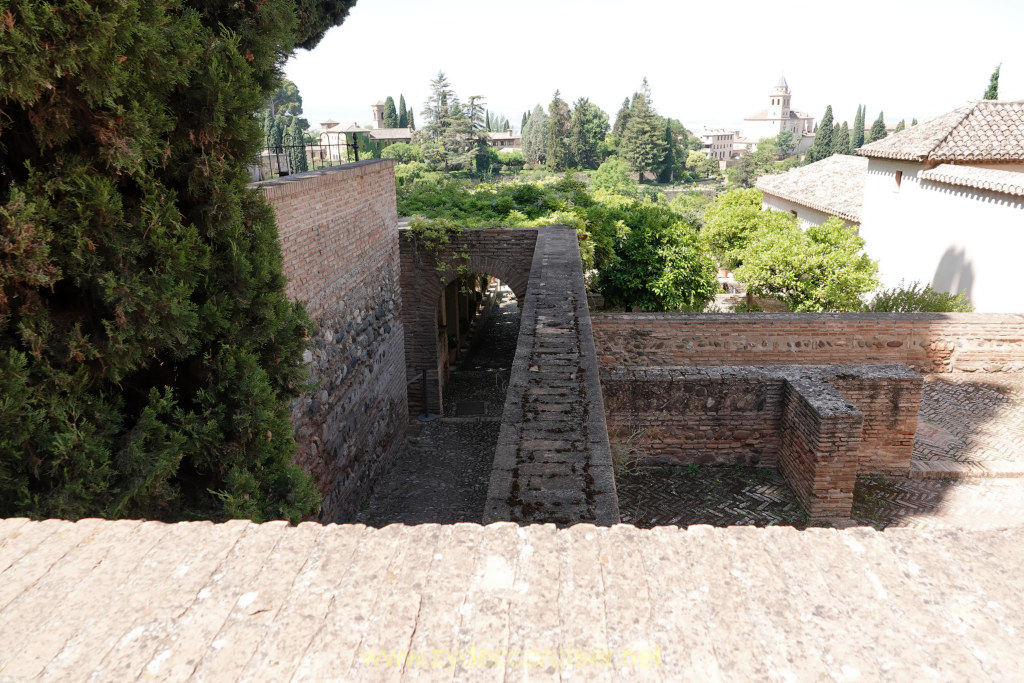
(818, 453)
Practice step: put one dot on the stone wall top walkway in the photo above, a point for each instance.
(552, 462)
(111, 601)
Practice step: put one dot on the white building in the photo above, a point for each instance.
(718, 143)
(779, 116)
(944, 204)
(818, 191)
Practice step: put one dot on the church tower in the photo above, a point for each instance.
(779, 108)
(378, 114)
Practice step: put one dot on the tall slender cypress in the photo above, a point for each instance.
(403, 115)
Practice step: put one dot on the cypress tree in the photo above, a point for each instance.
(148, 352)
(619, 127)
(840, 139)
(913, 122)
(390, 114)
(877, 131)
(900, 126)
(412, 122)
(992, 93)
(556, 136)
(857, 138)
(668, 162)
(533, 136)
(296, 150)
(403, 114)
(822, 147)
(522, 126)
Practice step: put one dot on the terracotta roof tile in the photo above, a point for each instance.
(986, 130)
(994, 180)
(834, 185)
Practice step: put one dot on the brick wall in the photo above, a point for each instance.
(927, 342)
(338, 231)
(504, 254)
(820, 425)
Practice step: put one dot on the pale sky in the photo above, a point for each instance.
(707, 63)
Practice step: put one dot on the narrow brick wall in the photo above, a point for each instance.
(927, 342)
(338, 230)
(504, 254)
(818, 453)
(820, 425)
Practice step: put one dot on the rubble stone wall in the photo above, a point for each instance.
(338, 231)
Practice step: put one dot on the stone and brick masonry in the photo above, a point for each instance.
(339, 238)
(927, 342)
(820, 426)
(504, 254)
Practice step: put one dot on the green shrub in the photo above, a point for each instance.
(917, 299)
(402, 152)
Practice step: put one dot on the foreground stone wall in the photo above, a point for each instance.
(927, 342)
(504, 254)
(820, 425)
(338, 231)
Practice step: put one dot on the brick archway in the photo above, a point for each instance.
(504, 254)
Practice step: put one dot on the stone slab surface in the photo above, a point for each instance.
(552, 462)
(98, 600)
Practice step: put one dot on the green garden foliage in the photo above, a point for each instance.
(613, 176)
(822, 268)
(992, 92)
(149, 350)
(402, 152)
(914, 298)
(729, 223)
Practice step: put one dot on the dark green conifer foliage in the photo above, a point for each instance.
(841, 139)
(403, 115)
(877, 131)
(642, 143)
(822, 147)
(992, 92)
(390, 113)
(412, 122)
(913, 122)
(296, 149)
(857, 138)
(556, 136)
(621, 119)
(147, 349)
(900, 126)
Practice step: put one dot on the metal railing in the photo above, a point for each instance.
(290, 155)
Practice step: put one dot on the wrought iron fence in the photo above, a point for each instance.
(289, 155)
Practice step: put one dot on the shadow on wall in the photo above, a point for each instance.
(955, 273)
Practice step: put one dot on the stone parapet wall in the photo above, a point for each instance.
(504, 254)
(926, 342)
(820, 425)
(338, 232)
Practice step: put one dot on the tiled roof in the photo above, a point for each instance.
(985, 130)
(391, 134)
(834, 185)
(994, 180)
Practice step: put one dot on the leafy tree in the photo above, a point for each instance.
(857, 137)
(730, 221)
(785, 143)
(613, 176)
(992, 92)
(641, 144)
(877, 131)
(822, 147)
(390, 114)
(819, 269)
(148, 351)
(403, 114)
(587, 128)
(661, 264)
(533, 136)
(841, 139)
(557, 133)
(902, 125)
(402, 152)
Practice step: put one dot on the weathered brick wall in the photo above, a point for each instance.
(927, 342)
(338, 231)
(504, 254)
(818, 453)
(850, 420)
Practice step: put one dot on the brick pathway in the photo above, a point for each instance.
(127, 600)
(969, 425)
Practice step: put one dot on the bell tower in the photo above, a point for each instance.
(779, 108)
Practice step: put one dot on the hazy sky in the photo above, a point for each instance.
(707, 63)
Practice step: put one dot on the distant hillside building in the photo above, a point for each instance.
(779, 116)
(718, 144)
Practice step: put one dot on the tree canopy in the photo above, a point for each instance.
(148, 349)
(992, 92)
